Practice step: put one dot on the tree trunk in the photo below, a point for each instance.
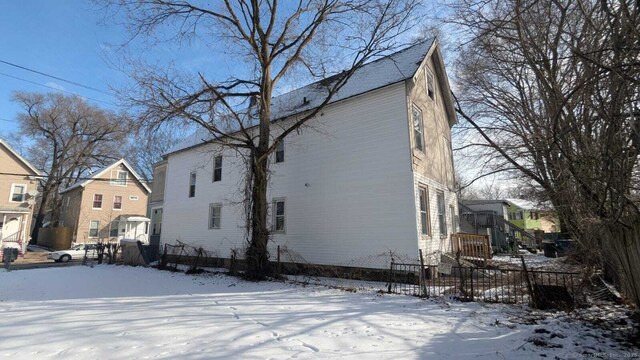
(257, 256)
(42, 210)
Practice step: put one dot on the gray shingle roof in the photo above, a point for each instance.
(382, 72)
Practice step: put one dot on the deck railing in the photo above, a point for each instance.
(472, 247)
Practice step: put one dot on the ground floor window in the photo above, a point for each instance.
(278, 215)
(215, 215)
(94, 227)
(424, 210)
(442, 216)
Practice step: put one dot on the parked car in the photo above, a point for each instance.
(75, 253)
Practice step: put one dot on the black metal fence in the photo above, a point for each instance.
(543, 289)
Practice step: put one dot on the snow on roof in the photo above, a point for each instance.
(529, 205)
(23, 160)
(385, 71)
(99, 173)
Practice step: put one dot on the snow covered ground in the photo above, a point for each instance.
(116, 312)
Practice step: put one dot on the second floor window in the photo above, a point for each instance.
(280, 152)
(417, 129)
(97, 201)
(217, 168)
(117, 202)
(18, 193)
(192, 184)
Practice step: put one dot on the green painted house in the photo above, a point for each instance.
(531, 216)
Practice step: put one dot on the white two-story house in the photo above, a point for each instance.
(372, 174)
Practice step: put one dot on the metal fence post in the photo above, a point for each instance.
(471, 272)
(423, 282)
(390, 276)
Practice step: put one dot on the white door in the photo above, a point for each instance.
(11, 229)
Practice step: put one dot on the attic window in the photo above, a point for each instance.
(120, 178)
(430, 85)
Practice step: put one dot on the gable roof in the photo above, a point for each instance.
(103, 171)
(22, 160)
(391, 69)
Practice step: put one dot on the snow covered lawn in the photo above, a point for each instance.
(115, 312)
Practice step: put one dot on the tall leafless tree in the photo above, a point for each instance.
(70, 137)
(272, 40)
(553, 88)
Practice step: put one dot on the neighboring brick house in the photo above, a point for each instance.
(110, 205)
(18, 189)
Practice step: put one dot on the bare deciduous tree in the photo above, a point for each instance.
(272, 40)
(552, 87)
(70, 137)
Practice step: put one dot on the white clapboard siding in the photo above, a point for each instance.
(347, 181)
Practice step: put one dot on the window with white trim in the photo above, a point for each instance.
(133, 197)
(94, 228)
(117, 202)
(97, 201)
(18, 193)
(192, 184)
(280, 152)
(430, 85)
(454, 219)
(215, 215)
(113, 230)
(217, 168)
(120, 178)
(424, 210)
(417, 128)
(278, 215)
(442, 214)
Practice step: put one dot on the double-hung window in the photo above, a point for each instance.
(117, 202)
(280, 152)
(113, 231)
(418, 130)
(192, 184)
(454, 219)
(18, 193)
(424, 211)
(442, 216)
(120, 178)
(94, 228)
(278, 215)
(215, 215)
(217, 168)
(97, 201)
(430, 85)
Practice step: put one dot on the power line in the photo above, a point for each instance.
(55, 77)
(56, 89)
(80, 178)
(3, 119)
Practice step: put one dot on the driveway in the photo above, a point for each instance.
(36, 260)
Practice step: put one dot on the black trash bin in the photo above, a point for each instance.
(11, 253)
(550, 249)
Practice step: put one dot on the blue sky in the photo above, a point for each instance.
(69, 39)
(60, 38)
